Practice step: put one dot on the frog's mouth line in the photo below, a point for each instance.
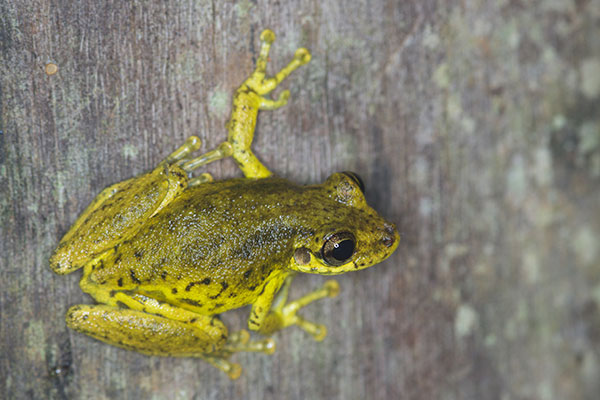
(317, 265)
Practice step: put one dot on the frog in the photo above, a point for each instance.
(165, 253)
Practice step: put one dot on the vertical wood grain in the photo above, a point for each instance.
(475, 126)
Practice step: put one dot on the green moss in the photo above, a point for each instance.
(243, 8)
(36, 338)
(441, 76)
(585, 244)
(218, 102)
(590, 77)
(129, 151)
(465, 321)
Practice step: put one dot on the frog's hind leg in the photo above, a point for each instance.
(222, 151)
(181, 155)
(129, 319)
(239, 342)
(189, 146)
(203, 337)
(181, 158)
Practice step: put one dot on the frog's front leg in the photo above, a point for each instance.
(250, 98)
(271, 312)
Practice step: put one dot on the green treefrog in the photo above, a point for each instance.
(164, 253)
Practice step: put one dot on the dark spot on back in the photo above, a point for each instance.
(224, 286)
(133, 277)
(190, 302)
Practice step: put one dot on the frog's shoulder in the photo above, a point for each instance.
(226, 187)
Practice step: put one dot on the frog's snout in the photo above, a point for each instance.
(389, 236)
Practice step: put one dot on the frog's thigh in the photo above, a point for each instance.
(98, 201)
(69, 256)
(148, 333)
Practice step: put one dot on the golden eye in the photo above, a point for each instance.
(338, 248)
(354, 176)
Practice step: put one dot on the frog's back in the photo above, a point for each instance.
(213, 248)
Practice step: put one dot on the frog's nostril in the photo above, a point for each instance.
(389, 236)
(388, 241)
(389, 228)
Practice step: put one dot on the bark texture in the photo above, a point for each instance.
(475, 125)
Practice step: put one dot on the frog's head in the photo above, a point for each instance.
(347, 235)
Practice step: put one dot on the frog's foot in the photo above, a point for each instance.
(261, 85)
(286, 315)
(181, 158)
(202, 178)
(233, 370)
(237, 342)
(189, 146)
(222, 151)
(250, 98)
(240, 341)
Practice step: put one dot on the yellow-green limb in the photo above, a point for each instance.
(249, 99)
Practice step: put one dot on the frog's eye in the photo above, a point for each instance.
(338, 248)
(354, 176)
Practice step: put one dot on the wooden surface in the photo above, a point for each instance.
(475, 125)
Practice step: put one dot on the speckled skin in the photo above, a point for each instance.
(214, 247)
(163, 254)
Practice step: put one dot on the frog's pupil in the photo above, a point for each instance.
(343, 250)
(338, 248)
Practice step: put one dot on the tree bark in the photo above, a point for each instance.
(474, 124)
